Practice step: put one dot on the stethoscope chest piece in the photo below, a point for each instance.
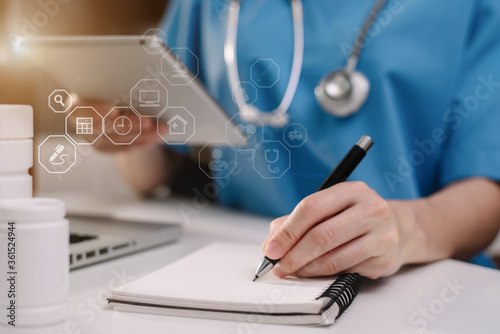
(342, 94)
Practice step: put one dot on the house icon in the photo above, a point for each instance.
(177, 125)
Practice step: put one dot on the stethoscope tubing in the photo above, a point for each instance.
(279, 116)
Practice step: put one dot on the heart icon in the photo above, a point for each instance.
(246, 131)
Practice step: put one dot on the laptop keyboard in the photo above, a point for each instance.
(75, 238)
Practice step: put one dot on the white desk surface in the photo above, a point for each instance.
(416, 300)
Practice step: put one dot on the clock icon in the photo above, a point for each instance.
(122, 125)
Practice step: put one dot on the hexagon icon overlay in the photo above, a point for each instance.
(84, 125)
(244, 93)
(252, 131)
(153, 41)
(181, 125)
(57, 154)
(60, 101)
(223, 161)
(149, 98)
(295, 135)
(271, 159)
(122, 125)
(175, 71)
(265, 73)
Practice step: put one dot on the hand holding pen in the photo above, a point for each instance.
(344, 226)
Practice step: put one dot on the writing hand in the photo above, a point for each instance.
(347, 227)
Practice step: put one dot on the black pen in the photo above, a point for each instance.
(339, 174)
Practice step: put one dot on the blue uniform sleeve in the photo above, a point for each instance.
(472, 146)
(181, 25)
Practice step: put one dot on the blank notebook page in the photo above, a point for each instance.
(219, 277)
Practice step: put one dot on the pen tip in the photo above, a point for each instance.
(255, 278)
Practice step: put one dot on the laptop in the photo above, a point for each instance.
(103, 228)
(94, 239)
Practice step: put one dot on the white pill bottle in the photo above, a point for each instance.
(16, 151)
(34, 265)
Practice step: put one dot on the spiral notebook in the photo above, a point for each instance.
(216, 283)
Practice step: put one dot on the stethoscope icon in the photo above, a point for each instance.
(276, 152)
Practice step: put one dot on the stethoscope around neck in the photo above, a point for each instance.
(341, 93)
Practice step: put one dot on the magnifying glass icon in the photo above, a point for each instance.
(59, 99)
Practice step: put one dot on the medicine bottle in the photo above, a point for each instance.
(16, 151)
(34, 252)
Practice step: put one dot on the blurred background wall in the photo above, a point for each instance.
(20, 84)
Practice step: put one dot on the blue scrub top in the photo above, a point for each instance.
(433, 109)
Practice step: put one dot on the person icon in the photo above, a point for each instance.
(217, 164)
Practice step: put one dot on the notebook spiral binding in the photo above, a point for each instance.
(343, 290)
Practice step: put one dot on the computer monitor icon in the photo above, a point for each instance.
(149, 98)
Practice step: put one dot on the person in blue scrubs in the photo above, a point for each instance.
(428, 188)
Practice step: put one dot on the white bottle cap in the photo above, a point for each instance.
(32, 209)
(16, 186)
(16, 155)
(38, 274)
(16, 122)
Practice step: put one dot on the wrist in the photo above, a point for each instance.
(415, 244)
(423, 240)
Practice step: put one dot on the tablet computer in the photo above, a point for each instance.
(140, 72)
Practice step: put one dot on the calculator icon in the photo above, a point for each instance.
(84, 125)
